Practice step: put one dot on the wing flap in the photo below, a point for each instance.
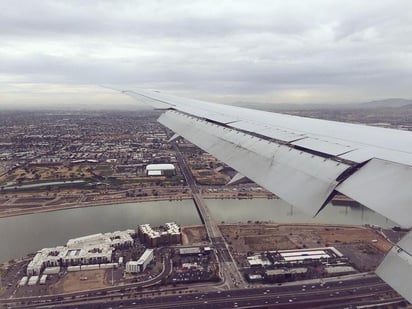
(384, 187)
(304, 180)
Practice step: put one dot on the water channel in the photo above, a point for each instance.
(25, 234)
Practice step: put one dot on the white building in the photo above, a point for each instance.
(93, 249)
(145, 259)
(132, 267)
(160, 170)
(148, 235)
(33, 280)
(113, 239)
(141, 264)
(51, 270)
(23, 281)
(43, 279)
(153, 238)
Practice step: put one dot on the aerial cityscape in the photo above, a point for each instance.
(205, 154)
(56, 161)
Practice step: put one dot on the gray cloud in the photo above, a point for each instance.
(224, 50)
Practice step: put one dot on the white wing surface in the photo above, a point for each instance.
(302, 160)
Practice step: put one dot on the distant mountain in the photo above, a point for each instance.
(386, 103)
(406, 107)
(395, 102)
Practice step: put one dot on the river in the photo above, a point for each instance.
(24, 234)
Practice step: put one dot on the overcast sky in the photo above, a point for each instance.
(57, 52)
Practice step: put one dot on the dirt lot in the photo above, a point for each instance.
(80, 281)
(355, 235)
(364, 246)
(194, 235)
(283, 236)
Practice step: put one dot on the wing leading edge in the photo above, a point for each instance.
(302, 160)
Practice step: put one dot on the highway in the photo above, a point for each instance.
(365, 291)
(228, 268)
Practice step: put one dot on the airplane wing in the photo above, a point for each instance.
(305, 161)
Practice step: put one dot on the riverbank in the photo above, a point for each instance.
(12, 211)
(40, 209)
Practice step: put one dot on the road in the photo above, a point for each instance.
(366, 291)
(229, 271)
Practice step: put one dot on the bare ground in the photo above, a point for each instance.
(194, 235)
(364, 246)
(362, 235)
(71, 282)
(301, 235)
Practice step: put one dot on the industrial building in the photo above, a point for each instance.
(160, 170)
(141, 264)
(153, 238)
(46, 161)
(339, 270)
(285, 274)
(303, 256)
(296, 264)
(89, 250)
(187, 251)
(258, 261)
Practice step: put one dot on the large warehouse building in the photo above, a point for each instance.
(160, 170)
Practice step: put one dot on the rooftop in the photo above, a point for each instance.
(151, 167)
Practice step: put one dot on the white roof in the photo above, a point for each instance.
(303, 253)
(274, 272)
(23, 281)
(154, 173)
(145, 256)
(151, 167)
(306, 257)
(190, 250)
(339, 269)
